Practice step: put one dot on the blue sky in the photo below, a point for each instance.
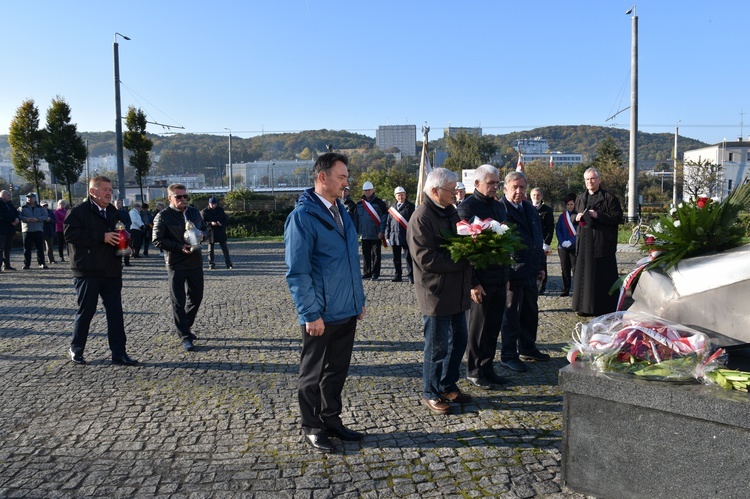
(291, 65)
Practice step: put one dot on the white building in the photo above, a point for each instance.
(402, 137)
(732, 157)
(537, 149)
(274, 173)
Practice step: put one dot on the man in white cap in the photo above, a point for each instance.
(460, 193)
(395, 232)
(372, 216)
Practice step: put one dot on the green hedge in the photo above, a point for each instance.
(257, 223)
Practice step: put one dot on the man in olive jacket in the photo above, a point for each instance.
(89, 230)
(443, 288)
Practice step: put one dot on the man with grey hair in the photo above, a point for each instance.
(32, 218)
(442, 287)
(487, 286)
(8, 226)
(521, 317)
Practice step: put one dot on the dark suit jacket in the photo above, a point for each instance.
(529, 225)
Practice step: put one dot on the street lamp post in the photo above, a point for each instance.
(633, 164)
(118, 123)
(231, 181)
(674, 167)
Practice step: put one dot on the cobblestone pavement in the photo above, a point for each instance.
(223, 421)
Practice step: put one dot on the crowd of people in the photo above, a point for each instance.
(466, 312)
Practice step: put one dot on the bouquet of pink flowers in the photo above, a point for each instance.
(484, 243)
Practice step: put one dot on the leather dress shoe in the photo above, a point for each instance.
(76, 357)
(396, 279)
(457, 397)
(188, 345)
(344, 433)
(535, 355)
(319, 442)
(124, 360)
(436, 405)
(515, 365)
(482, 383)
(497, 379)
(8, 268)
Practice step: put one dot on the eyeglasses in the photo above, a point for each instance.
(181, 196)
(452, 191)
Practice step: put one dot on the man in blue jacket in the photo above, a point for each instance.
(323, 277)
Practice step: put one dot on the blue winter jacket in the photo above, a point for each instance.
(323, 267)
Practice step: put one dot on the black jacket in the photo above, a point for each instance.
(548, 222)
(169, 236)
(479, 205)
(394, 233)
(216, 233)
(84, 232)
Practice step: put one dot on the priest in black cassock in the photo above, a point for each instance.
(599, 214)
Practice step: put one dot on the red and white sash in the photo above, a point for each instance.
(569, 224)
(375, 218)
(398, 216)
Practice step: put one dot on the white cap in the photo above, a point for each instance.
(460, 186)
(367, 186)
(399, 190)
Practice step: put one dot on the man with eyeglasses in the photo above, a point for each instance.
(184, 264)
(599, 214)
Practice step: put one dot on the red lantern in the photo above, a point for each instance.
(123, 247)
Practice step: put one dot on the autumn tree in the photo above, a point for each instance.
(701, 178)
(138, 144)
(610, 163)
(25, 141)
(63, 148)
(468, 151)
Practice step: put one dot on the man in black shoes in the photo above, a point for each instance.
(92, 239)
(322, 259)
(184, 261)
(487, 286)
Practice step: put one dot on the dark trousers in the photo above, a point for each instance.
(6, 242)
(224, 250)
(31, 239)
(371, 254)
(543, 285)
(567, 265)
(88, 290)
(49, 247)
(520, 320)
(147, 234)
(185, 306)
(323, 367)
(397, 260)
(136, 241)
(61, 249)
(485, 321)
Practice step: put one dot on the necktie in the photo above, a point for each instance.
(335, 212)
(103, 213)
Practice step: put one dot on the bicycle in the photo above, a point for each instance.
(640, 230)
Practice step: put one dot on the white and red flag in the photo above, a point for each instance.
(519, 166)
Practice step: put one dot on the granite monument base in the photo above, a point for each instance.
(625, 437)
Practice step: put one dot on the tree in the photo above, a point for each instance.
(25, 141)
(63, 148)
(701, 178)
(138, 144)
(467, 151)
(609, 161)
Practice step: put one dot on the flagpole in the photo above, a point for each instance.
(424, 166)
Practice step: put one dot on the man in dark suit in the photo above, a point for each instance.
(548, 229)
(97, 271)
(521, 317)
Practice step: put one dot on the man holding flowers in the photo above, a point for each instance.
(442, 287)
(487, 286)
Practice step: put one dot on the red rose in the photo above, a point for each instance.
(650, 240)
(702, 202)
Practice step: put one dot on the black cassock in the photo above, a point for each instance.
(596, 262)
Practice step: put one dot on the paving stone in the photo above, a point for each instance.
(223, 421)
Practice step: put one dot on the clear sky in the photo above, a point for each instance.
(288, 65)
